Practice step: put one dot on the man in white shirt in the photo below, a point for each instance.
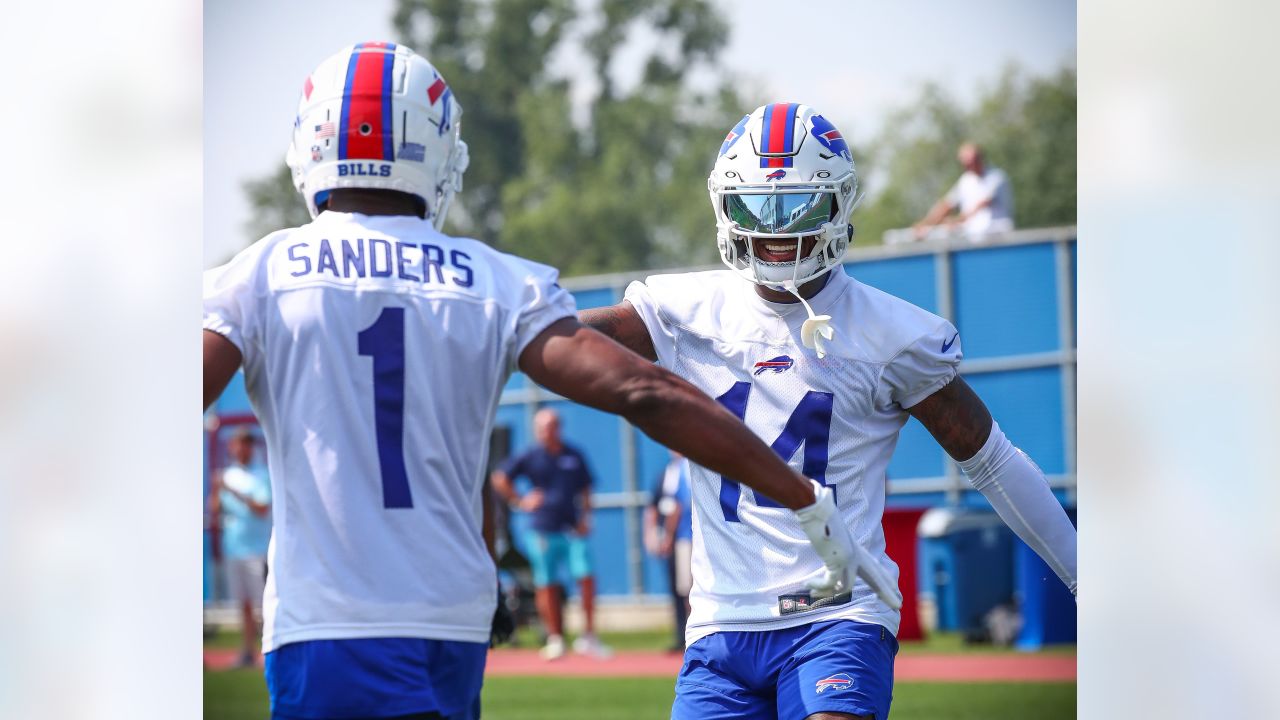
(375, 349)
(981, 200)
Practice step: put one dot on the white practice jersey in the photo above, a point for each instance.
(375, 349)
(835, 420)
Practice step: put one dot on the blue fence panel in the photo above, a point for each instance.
(1006, 300)
(910, 278)
(594, 298)
(515, 382)
(651, 461)
(917, 455)
(235, 399)
(609, 552)
(656, 581)
(1028, 406)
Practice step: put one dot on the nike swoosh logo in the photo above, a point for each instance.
(947, 345)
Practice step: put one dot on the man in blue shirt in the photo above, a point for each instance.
(668, 533)
(560, 505)
(242, 496)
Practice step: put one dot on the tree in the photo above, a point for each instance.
(597, 177)
(618, 192)
(276, 204)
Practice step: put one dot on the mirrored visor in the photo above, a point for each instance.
(780, 213)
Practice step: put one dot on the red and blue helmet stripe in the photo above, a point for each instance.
(777, 135)
(366, 104)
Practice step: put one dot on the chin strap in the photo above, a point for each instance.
(817, 329)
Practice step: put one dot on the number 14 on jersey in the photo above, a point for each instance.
(810, 424)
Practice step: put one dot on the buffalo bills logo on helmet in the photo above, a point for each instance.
(734, 134)
(830, 137)
(780, 364)
(839, 681)
(776, 175)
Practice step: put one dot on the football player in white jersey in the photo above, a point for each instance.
(375, 349)
(809, 358)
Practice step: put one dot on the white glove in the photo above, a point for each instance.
(844, 558)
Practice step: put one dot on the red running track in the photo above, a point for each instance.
(936, 668)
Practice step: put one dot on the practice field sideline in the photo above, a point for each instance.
(933, 668)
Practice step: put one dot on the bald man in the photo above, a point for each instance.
(560, 505)
(981, 200)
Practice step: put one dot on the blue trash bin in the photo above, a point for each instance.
(1047, 607)
(966, 563)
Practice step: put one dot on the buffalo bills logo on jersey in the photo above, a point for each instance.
(734, 134)
(830, 137)
(839, 681)
(776, 175)
(780, 364)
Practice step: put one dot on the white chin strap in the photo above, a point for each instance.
(817, 329)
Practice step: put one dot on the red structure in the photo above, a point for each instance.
(900, 542)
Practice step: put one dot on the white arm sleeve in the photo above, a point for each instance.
(1016, 488)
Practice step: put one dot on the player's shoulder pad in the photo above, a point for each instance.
(886, 324)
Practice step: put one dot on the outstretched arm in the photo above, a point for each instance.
(1014, 485)
(622, 323)
(586, 367)
(221, 360)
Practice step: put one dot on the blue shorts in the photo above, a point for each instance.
(834, 666)
(549, 551)
(375, 678)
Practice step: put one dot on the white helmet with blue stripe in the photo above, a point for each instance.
(377, 115)
(782, 188)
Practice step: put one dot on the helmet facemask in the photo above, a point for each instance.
(811, 216)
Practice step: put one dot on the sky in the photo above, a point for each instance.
(855, 61)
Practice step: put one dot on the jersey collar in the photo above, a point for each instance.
(794, 313)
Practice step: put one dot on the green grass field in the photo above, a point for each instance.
(241, 694)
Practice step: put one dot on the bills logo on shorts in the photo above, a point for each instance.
(839, 681)
(780, 364)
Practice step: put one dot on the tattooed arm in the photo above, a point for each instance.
(622, 323)
(956, 417)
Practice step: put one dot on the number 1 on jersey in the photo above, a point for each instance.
(384, 342)
(810, 423)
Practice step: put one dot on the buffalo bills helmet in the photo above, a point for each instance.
(377, 115)
(784, 174)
